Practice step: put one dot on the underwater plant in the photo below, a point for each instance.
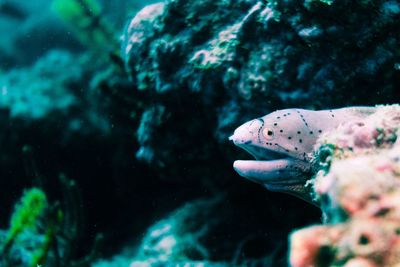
(26, 213)
(43, 232)
(86, 20)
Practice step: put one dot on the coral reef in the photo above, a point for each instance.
(42, 92)
(26, 96)
(358, 194)
(182, 237)
(189, 72)
(231, 61)
(248, 58)
(177, 240)
(52, 103)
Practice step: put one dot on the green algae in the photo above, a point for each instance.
(25, 216)
(88, 24)
(384, 137)
(323, 156)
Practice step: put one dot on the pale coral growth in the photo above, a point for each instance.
(366, 238)
(354, 182)
(374, 241)
(379, 130)
(360, 262)
(359, 193)
(177, 240)
(137, 29)
(310, 244)
(222, 49)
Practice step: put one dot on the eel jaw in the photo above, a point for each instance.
(274, 170)
(276, 175)
(285, 175)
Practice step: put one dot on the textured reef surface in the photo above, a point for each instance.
(234, 60)
(122, 131)
(358, 191)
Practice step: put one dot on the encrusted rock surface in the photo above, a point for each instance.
(359, 195)
(233, 60)
(195, 71)
(230, 61)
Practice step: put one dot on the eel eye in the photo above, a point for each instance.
(268, 133)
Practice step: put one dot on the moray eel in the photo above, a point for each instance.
(282, 144)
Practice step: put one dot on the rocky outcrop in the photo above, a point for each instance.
(229, 61)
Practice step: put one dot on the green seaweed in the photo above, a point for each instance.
(86, 20)
(25, 216)
(55, 218)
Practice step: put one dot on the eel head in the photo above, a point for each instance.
(281, 161)
(282, 144)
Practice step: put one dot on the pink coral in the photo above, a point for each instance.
(308, 245)
(360, 198)
(360, 262)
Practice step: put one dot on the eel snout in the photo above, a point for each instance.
(249, 137)
(247, 133)
(275, 170)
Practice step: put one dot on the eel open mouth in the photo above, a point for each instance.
(276, 171)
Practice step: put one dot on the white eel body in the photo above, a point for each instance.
(282, 143)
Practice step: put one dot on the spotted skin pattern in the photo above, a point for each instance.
(282, 143)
